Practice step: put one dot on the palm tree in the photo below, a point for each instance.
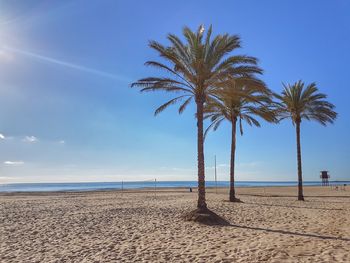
(299, 102)
(242, 100)
(194, 67)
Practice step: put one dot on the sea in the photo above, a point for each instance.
(98, 186)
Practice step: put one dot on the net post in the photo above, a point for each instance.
(216, 182)
(155, 186)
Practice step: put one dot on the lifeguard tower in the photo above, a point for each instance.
(325, 176)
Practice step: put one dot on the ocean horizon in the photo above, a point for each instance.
(96, 186)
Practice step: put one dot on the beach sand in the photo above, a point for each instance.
(141, 226)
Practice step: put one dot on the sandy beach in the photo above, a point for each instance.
(141, 226)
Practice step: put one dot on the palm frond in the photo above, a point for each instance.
(184, 105)
(167, 104)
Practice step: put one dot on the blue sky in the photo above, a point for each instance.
(67, 112)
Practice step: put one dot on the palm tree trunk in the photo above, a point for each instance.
(300, 176)
(200, 145)
(232, 162)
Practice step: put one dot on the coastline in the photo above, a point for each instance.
(142, 186)
(242, 190)
(272, 191)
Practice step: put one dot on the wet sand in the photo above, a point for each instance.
(143, 226)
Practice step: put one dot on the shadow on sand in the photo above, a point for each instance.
(333, 202)
(208, 217)
(291, 196)
(291, 233)
(293, 206)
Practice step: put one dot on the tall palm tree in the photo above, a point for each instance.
(243, 100)
(194, 67)
(298, 102)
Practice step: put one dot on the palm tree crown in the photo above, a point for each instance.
(299, 102)
(196, 66)
(241, 102)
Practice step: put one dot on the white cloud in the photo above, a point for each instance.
(13, 162)
(64, 63)
(5, 137)
(30, 139)
(61, 142)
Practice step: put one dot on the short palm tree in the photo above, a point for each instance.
(242, 100)
(298, 102)
(194, 67)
